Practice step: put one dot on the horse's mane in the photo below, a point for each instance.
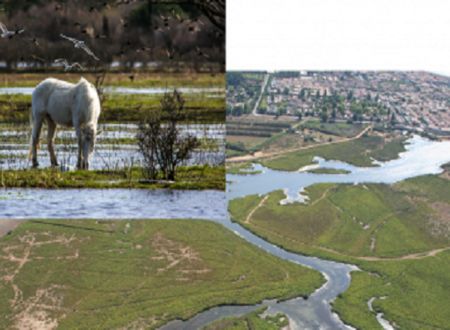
(89, 96)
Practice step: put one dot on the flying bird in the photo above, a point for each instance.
(170, 53)
(80, 44)
(200, 53)
(67, 66)
(37, 58)
(143, 49)
(5, 33)
(34, 41)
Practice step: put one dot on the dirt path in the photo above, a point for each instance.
(413, 256)
(262, 201)
(265, 155)
(41, 310)
(324, 195)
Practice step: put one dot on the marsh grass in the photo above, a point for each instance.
(187, 177)
(123, 108)
(339, 222)
(250, 321)
(141, 79)
(113, 274)
(359, 152)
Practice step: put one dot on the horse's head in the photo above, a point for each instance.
(88, 137)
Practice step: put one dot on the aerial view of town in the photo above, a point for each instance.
(415, 101)
(347, 174)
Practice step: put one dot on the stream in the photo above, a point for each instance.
(421, 157)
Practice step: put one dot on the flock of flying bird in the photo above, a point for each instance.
(9, 34)
(80, 44)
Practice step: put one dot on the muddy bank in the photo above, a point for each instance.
(7, 225)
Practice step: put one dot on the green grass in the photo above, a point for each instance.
(241, 207)
(357, 152)
(15, 108)
(416, 291)
(120, 274)
(345, 218)
(328, 171)
(233, 153)
(339, 222)
(251, 321)
(188, 177)
(241, 168)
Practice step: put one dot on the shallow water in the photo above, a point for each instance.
(312, 313)
(109, 153)
(126, 90)
(105, 157)
(111, 204)
(421, 157)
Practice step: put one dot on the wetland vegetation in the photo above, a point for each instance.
(359, 152)
(187, 177)
(110, 274)
(253, 320)
(398, 235)
(203, 106)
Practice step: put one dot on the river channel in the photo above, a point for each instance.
(421, 157)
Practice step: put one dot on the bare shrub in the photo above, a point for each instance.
(160, 140)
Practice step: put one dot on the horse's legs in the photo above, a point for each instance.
(51, 130)
(79, 148)
(35, 134)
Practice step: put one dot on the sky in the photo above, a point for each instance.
(338, 35)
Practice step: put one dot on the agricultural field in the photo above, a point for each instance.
(398, 235)
(134, 274)
(359, 152)
(250, 134)
(342, 129)
(248, 139)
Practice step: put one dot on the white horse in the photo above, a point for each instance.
(71, 105)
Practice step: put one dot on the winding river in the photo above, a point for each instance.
(421, 157)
